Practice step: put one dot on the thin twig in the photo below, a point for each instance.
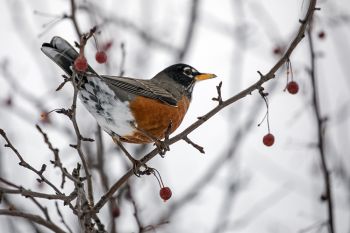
(78, 145)
(198, 147)
(33, 218)
(327, 196)
(61, 217)
(96, 9)
(74, 18)
(28, 193)
(100, 166)
(23, 163)
(57, 161)
(219, 98)
(65, 80)
(193, 16)
(136, 212)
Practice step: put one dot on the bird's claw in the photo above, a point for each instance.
(140, 169)
(162, 147)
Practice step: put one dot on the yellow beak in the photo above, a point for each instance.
(201, 77)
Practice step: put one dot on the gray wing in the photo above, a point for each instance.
(146, 88)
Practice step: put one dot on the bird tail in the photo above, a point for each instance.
(62, 53)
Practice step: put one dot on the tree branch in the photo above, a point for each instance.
(28, 166)
(33, 218)
(78, 145)
(233, 99)
(28, 193)
(327, 196)
(73, 17)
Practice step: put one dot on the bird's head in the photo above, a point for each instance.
(185, 75)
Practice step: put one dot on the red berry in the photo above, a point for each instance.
(165, 193)
(268, 139)
(321, 35)
(293, 87)
(44, 117)
(80, 64)
(101, 57)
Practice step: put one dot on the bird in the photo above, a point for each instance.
(131, 110)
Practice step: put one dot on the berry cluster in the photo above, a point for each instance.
(292, 87)
(81, 64)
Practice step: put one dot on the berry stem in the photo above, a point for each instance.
(96, 44)
(84, 38)
(264, 96)
(158, 176)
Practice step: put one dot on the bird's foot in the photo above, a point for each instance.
(140, 168)
(162, 147)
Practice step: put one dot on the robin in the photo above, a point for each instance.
(131, 110)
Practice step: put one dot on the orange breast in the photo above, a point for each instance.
(154, 117)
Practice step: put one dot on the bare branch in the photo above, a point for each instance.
(34, 218)
(219, 98)
(65, 80)
(193, 16)
(28, 193)
(73, 9)
(23, 163)
(136, 212)
(198, 147)
(57, 161)
(78, 145)
(328, 194)
(62, 219)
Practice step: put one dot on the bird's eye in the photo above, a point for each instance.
(188, 71)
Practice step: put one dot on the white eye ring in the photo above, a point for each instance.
(188, 72)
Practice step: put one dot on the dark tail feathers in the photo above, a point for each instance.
(62, 53)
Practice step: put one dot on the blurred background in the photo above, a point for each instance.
(239, 184)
